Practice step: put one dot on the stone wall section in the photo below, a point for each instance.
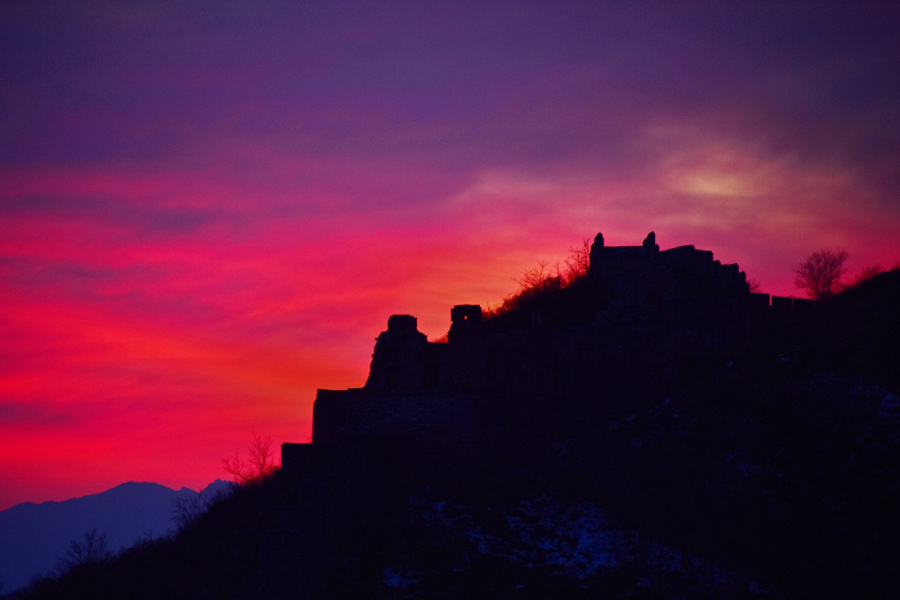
(650, 313)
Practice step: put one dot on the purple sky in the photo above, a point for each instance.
(209, 209)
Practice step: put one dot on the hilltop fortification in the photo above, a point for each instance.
(637, 319)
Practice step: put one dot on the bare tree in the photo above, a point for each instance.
(189, 507)
(539, 278)
(186, 509)
(578, 262)
(92, 549)
(259, 465)
(544, 278)
(820, 274)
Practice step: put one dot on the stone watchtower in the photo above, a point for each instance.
(612, 258)
(465, 319)
(398, 362)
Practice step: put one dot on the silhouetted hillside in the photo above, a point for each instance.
(651, 431)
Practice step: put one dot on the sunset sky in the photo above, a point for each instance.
(208, 210)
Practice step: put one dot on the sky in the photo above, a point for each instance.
(208, 210)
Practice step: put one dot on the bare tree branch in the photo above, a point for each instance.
(820, 274)
(92, 549)
(578, 262)
(186, 509)
(259, 465)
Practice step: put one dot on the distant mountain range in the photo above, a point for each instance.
(34, 536)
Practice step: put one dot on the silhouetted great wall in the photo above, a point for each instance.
(638, 309)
